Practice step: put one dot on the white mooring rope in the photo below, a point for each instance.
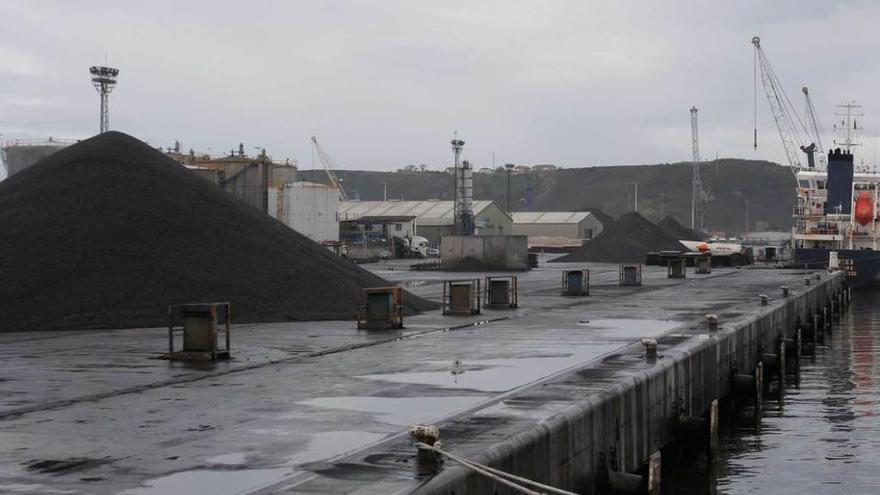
(498, 475)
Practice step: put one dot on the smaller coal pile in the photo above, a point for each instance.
(672, 227)
(627, 240)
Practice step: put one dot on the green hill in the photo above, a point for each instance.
(731, 185)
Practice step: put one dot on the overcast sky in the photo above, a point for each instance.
(385, 83)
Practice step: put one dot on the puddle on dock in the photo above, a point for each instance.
(227, 478)
(400, 411)
(501, 375)
(328, 444)
(218, 482)
(629, 328)
(235, 459)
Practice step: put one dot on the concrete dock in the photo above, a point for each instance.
(543, 391)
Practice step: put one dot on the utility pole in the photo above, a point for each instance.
(696, 181)
(509, 167)
(636, 197)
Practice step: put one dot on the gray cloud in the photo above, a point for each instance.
(383, 84)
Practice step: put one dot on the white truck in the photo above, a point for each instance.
(418, 246)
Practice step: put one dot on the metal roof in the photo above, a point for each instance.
(549, 216)
(426, 212)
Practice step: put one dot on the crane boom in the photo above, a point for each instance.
(329, 167)
(782, 109)
(696, 180)
(815, 130)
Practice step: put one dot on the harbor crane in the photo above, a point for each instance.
(696, 181)
(791, 127)
(815, 130)
(329, 167)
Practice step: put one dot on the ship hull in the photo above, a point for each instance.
(862, 265)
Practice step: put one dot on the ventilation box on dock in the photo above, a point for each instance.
(501, 292)
(630, 274)
(201, 325)
(380, 308)
(576, 283)
(461, 297)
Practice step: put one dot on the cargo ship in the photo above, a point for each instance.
(835, 220)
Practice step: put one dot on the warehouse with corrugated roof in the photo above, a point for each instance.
(557, 224)
(432, 218)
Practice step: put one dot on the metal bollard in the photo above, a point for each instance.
(712, 322)
(784, 291)
(807, 281)
(763, 298)
(650, 348)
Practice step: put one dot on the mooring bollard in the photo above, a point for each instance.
(806, 280)
(650, 348)
(712, 322)
(763, 298)
(427, 460)
(784, 291)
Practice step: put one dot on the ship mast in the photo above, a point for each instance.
(849, 124)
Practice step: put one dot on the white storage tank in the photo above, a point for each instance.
(308, 208)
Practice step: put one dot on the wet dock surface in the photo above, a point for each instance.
(305, 406)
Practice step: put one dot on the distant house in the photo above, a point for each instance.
(521, 169)
(485, 170)
(547, 167)
(450, 170)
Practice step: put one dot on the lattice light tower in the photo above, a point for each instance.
(457, 146)
(696, 181)
(104, 80)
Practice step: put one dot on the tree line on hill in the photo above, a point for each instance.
(740, 195)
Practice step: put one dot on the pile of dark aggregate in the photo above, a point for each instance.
(627, 240)
(108, 232)
(675, 229)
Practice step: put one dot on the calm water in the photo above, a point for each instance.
(823, 436)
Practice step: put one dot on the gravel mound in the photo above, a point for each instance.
(673, 228)
(108, 232)
(627, 240)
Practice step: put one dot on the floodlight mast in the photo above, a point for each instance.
(104, 80)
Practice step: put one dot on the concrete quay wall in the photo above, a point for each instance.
(629, 401)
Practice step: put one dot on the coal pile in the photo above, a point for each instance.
(627, 240)
(672, 227)
(604, 218)
(108, 232)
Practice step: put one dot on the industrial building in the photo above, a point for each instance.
(308, 208)
(247, 178)
(432, 219)
(556, 228)
(22, 153)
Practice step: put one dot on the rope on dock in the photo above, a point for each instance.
(498, 475)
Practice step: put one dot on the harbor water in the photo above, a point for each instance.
(822, 435)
